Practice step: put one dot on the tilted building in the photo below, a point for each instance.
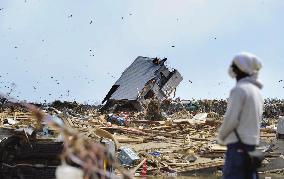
(145, 78)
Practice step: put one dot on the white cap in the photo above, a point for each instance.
(248, 63)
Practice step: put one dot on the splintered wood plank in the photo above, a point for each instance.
(125, 139)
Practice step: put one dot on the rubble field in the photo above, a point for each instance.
(181, 142)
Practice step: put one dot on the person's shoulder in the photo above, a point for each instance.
(239, 87)
(239, 90)
(248, 87)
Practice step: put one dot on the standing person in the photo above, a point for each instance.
(244, 112)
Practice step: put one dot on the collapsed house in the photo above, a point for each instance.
(144, 79)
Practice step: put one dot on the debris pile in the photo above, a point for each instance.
(273, 107)
(22, 148)
(181, 143)
(153, 111)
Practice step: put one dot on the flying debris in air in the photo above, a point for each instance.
(220, 83)
(91, 54)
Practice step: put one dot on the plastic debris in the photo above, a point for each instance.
(127, 156)
(113, 119)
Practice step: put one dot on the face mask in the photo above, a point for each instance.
(232, 74)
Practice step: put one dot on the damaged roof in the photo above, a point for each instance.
(134, 78)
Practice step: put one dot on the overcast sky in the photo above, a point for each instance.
(76, 50)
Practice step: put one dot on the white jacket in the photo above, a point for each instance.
(244, 112)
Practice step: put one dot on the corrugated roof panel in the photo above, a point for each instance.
(134, 78)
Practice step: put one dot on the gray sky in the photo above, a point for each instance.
(50, 47)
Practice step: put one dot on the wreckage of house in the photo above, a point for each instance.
(144, 79)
